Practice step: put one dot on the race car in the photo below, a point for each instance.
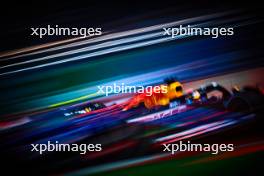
(83, 109)
(247, 98)
(195, 115)
(173, 89)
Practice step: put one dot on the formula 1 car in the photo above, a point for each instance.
(248, 98)
(136, 132)
(83, 109)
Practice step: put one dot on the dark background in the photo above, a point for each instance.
(18, 17)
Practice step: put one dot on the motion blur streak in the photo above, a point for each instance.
(140, 39)
(114, 36)
(49, 92)
(119, 165)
